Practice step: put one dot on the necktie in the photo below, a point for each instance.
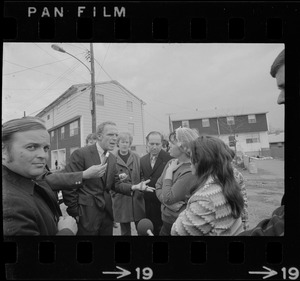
(104, 159)
(153, 160)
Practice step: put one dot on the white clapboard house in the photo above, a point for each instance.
(69, 121)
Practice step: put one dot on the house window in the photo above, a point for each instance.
(252, 140)
(186, 124)
(74, 128)
(205, 123)
(251, 119)
(62, 133)
(100, 99)
(52, 134)
(131, 128)
(230, 120)
(129, 106)
(48, 116)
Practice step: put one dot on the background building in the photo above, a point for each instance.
(247, 132)
(277, 145)
(68, 118)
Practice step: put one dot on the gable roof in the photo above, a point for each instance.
(220, 112)
(82, 87)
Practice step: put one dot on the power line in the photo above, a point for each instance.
(36, 111)
(104, 58)
(67, 72)
(44, 50)
(167, 103)
(82, 48)
(104, 70)
(33, 68)
(23, 89)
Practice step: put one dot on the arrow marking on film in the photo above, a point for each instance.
(122, 273)
(268, 273)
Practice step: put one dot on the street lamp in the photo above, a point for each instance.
(92, 72)
(218, 126)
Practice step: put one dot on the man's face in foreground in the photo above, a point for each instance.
(280, 78)
(28, 153)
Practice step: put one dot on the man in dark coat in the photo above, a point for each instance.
(152, 166)
(91, 205)
(29, 204)
(273, 226)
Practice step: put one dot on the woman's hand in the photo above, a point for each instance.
(173, 165)
(142, 186)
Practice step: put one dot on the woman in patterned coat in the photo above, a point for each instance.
(216, 203)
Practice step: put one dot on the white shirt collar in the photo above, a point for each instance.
(99, 148)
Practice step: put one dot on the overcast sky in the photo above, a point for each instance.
(170, 78)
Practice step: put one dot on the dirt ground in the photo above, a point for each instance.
(264, 189)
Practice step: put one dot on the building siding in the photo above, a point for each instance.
(76, 102)
(242, 130)
(241, 125)
(277, 150)
(116, 99)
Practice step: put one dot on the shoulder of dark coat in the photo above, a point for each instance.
(164, 155)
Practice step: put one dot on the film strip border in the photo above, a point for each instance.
(150, 21)
(147, 258)
(157, 257)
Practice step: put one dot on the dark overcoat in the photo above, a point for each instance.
(129, 208)
(152, 204)
(25, 211)
(91, 201)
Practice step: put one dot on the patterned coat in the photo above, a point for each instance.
(207, 214)
(128, 208)
(241, 182)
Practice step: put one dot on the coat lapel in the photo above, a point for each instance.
(156, 165)
(96, 160)
(130, 160)
(111, 163)
(148, 164)
(95, 154)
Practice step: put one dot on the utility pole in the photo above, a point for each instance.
(218, 125)
(93, 94)
(170, 123)
(92, 72)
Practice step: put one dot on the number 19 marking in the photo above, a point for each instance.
(293, 273)
(147, 273)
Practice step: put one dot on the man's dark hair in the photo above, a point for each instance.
(278, 62)
(24, 124)
(92, 136)
(101, 127)
(155, 133)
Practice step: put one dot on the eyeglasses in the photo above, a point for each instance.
(172, 138)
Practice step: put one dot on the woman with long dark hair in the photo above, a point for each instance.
(216, 202)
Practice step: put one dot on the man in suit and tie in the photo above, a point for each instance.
(91, 204)
(152, 166)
